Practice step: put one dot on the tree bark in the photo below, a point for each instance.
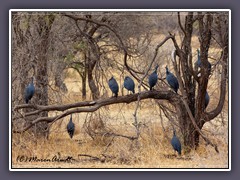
(41, 94)
(196, 99)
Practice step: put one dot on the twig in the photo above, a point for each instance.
(180, 24)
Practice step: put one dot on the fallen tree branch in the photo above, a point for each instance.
(95, 158)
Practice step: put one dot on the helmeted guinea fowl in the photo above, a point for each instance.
(70, 127)
(176, 144)
(207, 99)
(113, 85)
(29, 91)
(152, 79)
(129, 84)
(172, 80)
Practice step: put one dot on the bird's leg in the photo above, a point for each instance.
(172, 89)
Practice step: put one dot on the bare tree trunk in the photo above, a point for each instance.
(84, 78)
(41, 94)
(21, 45)
(190, 136)
(94, 89)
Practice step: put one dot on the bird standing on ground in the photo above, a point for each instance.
(113, 85)
(129, 84)
(29, 91)
(199, 63)
(152, 79)
(70, 127)
(172, 80)
(207, 99)
(176, 144)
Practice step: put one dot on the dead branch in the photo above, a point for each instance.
(91, 106)
(180, 24)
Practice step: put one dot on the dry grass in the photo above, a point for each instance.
(154, 150)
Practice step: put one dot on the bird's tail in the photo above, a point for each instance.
(116, 95)
(133, 91)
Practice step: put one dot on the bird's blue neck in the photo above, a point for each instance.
(198, 55)
(32, 81)
(167, 71)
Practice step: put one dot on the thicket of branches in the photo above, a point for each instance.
(97, 44)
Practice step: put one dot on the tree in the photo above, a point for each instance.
(33, 34)
(194, 88)
(188, 107)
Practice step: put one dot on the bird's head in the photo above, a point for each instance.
(32, 79)
(198, 51)
(174, 132)
(173, 55)
(166, 69)
(127, 77)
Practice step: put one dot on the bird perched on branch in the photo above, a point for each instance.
(129, 84)
(207, 99)
(70, 127)
(176, 144)
(199, 63)
(152, 79)
(172, 80)
(29, 91)
(113, 85)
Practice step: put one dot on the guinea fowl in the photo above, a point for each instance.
(70, 127)
(129, 84)
(172, 80)
(29, 91)
(113, 85)
(152, 79)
